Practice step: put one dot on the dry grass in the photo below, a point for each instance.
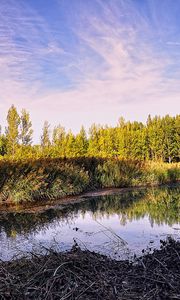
(85, 275)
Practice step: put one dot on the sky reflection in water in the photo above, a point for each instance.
(118, 225)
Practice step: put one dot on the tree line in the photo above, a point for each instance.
(157, 140)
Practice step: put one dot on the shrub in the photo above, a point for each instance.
(49, 178)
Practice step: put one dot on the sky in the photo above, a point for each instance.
(75, 62)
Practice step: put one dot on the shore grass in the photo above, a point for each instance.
(46, 179)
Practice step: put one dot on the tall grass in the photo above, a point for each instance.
(43, 179)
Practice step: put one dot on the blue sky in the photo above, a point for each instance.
(78, 62)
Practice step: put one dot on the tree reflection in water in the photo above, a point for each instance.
(161, 205)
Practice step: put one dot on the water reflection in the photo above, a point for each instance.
(138, 217)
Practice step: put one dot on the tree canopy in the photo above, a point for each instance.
(158, 139)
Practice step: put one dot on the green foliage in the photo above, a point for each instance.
(26, 128)
(12, 130)
(42, 179)
(69, 164)
(161, 205)
(157, 140)
(58, 141)
(3, 145)
(81, 143)
(116, 173)
(45, 137)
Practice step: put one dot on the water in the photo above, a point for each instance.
(118, 225)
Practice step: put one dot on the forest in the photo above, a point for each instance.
(62, 164)
(157, 140)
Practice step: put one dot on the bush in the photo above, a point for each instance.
(49, 178)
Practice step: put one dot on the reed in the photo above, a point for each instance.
(43, 179)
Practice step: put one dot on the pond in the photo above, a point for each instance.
(119, 225)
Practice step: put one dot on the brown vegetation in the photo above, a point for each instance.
(85, 275)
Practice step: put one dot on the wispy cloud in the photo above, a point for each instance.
(118, 63)
(130, 69)
(173, 43)
(26, 46)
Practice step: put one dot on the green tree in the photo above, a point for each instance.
(26, 128)
(69, 145)
(12, 130)
(81, 143)
(45, 137)
(94, 135)
(120, 137)
(177, 138)
(155, 138)
(58, 141)
(3, 144)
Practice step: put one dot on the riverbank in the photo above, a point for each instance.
(87, 275)
(52, 179)
(42, 206)
(45, 205)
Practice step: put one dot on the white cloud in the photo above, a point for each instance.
(131, 70)
(117, 67)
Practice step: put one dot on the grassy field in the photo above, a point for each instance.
(44, 179)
